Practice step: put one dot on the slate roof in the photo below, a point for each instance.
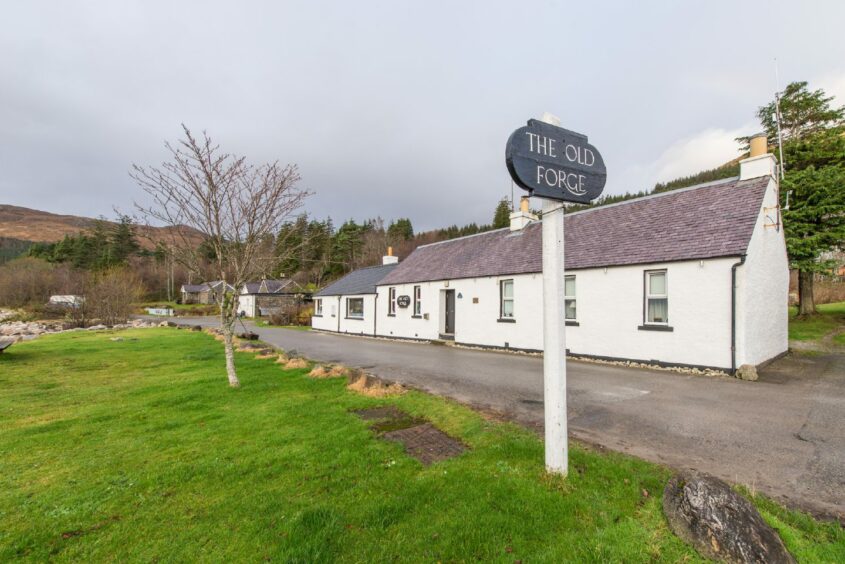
(204, 287)
(272, 287)
(194, 288)
(362, 281)
(705, 221)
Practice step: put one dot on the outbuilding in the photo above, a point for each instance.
(266, 297)
(692, 277)
(205, 293)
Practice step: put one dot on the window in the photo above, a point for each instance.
(318, 307)
(355, 308)
(569, 305)
(417, 301)
(506, 298)
(391, 301)
(656, 297)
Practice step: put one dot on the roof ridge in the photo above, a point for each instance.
(369, 267)
(463, 237)
(660, 194)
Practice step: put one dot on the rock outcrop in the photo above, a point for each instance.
(721, 524)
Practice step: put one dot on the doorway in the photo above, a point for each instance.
(449, 314)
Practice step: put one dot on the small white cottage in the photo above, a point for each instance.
(691, 277)
(349, 305)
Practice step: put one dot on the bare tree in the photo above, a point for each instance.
(235, 205)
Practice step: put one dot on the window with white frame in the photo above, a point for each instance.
(506, 299)
(391, 301)
(656, 297)
(570, 310)
(417, 300)
(355, 308)
(318, 306)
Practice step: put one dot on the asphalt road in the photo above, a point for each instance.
(783, 435)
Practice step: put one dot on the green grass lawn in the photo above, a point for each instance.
(137, 450)
(830, 318)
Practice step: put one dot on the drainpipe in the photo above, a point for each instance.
(733, 312)
(375, 308)
(338, 314)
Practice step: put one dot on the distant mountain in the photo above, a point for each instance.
(28, 225)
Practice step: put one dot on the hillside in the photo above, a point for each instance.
(28, 225)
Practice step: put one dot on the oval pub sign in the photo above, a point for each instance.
(555, 163)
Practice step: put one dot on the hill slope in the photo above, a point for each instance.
(25, 224)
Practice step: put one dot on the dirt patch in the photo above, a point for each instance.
(265, 355)
(421, 439)
(283, 358)
(249, 347)
(426, 443)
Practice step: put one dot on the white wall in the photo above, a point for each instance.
(763, 290)
(476, 312)
(610, 310)
(246, 305)
(334, 316)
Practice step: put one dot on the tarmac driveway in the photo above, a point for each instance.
(783, 435)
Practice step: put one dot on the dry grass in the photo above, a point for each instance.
(373, 387)
(296, 363)
(328, 371)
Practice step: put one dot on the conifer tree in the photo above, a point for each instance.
(502, 216)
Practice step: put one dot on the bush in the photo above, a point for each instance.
(112, 295)
(27, 281)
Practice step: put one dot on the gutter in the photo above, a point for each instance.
(733, 312)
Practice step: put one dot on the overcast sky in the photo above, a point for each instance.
(389, 108)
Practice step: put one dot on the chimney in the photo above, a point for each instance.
(522, 217)
(759, 162)
(389, 258)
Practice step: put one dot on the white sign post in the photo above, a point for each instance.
(554, 340)
(556, 165)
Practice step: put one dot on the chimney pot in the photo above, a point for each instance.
(523, 204)
(389, 258)
(759, 145)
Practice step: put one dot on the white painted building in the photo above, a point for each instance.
(696, 277)
(349, 305)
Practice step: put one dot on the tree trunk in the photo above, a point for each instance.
(806, 302)
(228, 337)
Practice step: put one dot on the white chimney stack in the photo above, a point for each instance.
(760, 161)
(523, 217)
(389, 258)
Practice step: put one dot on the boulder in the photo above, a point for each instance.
(97, 327)
(721, 524)
(747, 372)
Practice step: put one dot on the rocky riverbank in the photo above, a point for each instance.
(25, 330)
